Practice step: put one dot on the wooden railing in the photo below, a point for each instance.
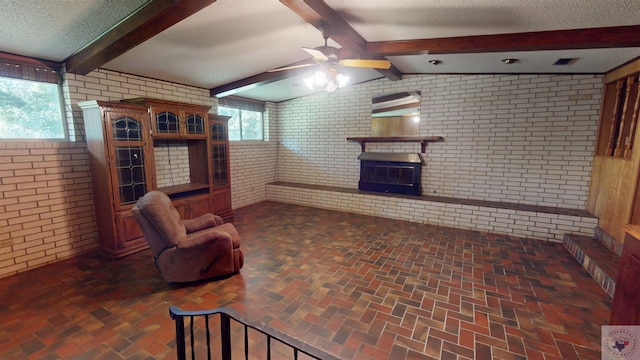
(226, 315)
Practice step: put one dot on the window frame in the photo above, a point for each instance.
(241, 104)
(20, 67)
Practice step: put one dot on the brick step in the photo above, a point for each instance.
(599, 261)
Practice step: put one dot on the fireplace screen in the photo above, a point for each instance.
(390, 172)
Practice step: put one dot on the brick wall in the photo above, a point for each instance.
(171, 160)
(253, 163)
(525, 139)
(46, 201)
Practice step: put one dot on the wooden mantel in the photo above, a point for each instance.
(423, 140)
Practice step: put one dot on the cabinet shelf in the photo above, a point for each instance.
(184, 189)
(423, 140)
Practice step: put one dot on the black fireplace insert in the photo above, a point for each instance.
(397, 173)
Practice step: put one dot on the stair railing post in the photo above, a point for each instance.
(225, 336)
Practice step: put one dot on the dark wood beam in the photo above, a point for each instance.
(318, 14)
(592, 38)
(147, 22)
(256, 80)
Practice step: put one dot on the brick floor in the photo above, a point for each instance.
(357, 287)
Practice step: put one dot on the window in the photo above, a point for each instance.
(29, 101)
(246, 118)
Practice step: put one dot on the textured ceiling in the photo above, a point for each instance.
(378, 20)
(55, 29)
(230, 40)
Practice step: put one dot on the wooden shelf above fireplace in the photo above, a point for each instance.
(423, 140)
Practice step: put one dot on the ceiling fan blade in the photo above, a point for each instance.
(374, 64)
(316, 54)
(290, 67)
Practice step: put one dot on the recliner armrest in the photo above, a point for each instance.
(202, 222)
(203, 238)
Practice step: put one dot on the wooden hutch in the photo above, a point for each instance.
(140, 145)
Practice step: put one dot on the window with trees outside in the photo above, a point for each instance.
(30, 102)
(246, 118)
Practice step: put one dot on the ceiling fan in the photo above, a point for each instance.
(329, 56)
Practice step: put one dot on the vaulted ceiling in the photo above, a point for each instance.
(229, 46)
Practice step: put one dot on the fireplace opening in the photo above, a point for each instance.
(397, 173)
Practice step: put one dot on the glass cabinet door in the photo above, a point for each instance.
(195, 124)
(129, 161)
(218, 132)
(219, 156)
(167, 123)
(219, 159)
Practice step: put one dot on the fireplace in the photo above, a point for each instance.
(397, 173)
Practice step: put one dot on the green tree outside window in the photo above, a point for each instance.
(30, 110)
(243, 124)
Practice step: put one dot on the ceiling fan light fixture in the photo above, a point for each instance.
(328, 78)
(317, 79)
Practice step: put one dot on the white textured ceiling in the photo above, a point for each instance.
(226, 41)
(234, 39)
(378, 20)
(55, 29)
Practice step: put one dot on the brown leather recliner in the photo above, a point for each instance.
(191, 249)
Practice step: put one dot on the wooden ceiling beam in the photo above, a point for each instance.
(256, 80)
(318, 14)
(592, 38)
(147, 22)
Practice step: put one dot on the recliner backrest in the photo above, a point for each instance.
(159, 212)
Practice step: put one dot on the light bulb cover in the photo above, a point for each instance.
(328, 78)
